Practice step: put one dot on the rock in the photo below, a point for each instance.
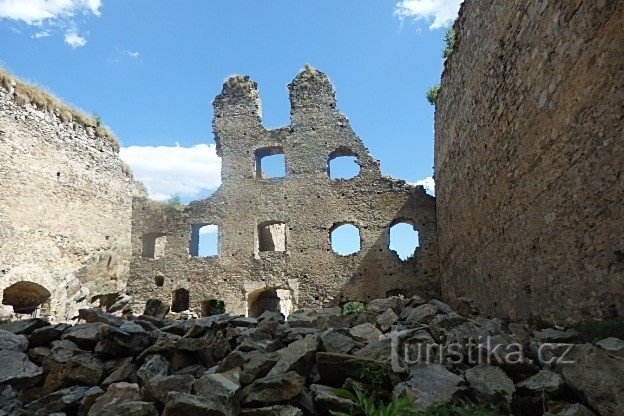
(386, 320)
(24, 326)
(156, 308)
(441, 324)
(273, 389)
(153, 366)
(596, 377)
(258, 366)
(335, 341)
(185, 404)
(611, 344)
(380, 350)
(303, 319)
(382, 305)
(13, 342)
(156, 388)
(277, 410)
(98, 315)
(65, 400)
(9, 401)
(365, 333)
(47, 334)
(131, 409)
(123, 372)
(428, 384)
(298, 356)
(326, 398)
(222, 389)
(576, 409)
(17, 370)
(441, 306)
(335, 368)
(556, 336)
(422, 314)
(490, 384)
(86, 336)
(115, 394)
(545, 381)
(90, 396)
(82, 369)
(129, 340)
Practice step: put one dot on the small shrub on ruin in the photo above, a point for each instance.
(449, 42)
(352, 307)
(432, 94)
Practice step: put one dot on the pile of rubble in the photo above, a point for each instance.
(226, 365)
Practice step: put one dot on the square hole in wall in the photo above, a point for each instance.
(270, 163)
(204, 240)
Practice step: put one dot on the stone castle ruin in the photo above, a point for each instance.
(274, 249)
(527, 221)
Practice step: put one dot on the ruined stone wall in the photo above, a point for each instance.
(65, 208)
(308, 273)
(529, 156)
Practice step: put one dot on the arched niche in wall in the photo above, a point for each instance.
(154, 245)
(343, 163)
(180, 301)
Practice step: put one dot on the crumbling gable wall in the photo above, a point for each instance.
(529, 159)
(300, 210)
(65, 207)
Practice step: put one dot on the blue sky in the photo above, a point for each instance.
(151, 70)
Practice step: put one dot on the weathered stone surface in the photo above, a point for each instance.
(298, 356)
(97, 315)
(59, 401)
(387, 319)
(16, 369)
(428, 384)
(335, 341)
(156, 308)
(552, 335)
(365, 333)
(153, 366)
(273, 389)
(335, 368)
(24, 326)
(611, 344)
(156, 388)
(545, 381)
(13, 342)
(326, 398)
(276, 410)
(576, 409)
(82, 369)
(131, 409)
(537, 185)
(115, 394)
(184, 404)
(222, 389)
(86, 336)
(490, 384)
(422, 314)
(47, 334)
(127, 340)
(596, 377)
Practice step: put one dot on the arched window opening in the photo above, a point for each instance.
(345, 239)
(181, 300)
(404, 240)
(343, 164)
(204, 240)
(154, 245)
(27, 298)
(272, 237)
(212, 307)
(270, 163)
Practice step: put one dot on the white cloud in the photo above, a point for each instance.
(42, 34)
(209, 229)
(167, 170)
(442, 12)
(35, 12)
(133, 54)
(74, 40)
(428, 183)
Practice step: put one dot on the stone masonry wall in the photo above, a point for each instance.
(308, 273)
(529, 156)
(65, 210)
